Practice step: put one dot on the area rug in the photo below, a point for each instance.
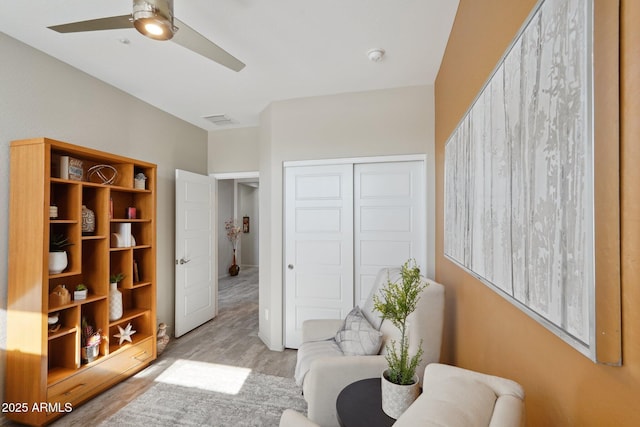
(216, 396)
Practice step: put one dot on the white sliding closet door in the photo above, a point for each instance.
(389, 220)
(343, 223)
(319, 245)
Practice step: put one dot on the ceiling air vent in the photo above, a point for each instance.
(219, 120)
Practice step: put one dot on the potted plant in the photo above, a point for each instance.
(115, 297)
(398, 300)
(117, 277)
(90, 342)
(57, 253)
(80, 292)
(233, 234)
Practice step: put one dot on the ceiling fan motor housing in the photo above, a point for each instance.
(154, 18)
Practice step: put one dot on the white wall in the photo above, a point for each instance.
(375, 123)
(41, 96)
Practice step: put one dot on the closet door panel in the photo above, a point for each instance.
(318, 245)
(389, 219)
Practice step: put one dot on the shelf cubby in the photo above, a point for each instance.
(62, 352)
(139, 323)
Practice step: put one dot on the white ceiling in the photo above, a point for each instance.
(291, 48)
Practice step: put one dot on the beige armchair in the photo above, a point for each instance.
(329, 371)
(457, 397)
(453, 397)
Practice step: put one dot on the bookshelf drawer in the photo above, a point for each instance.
(96, 378)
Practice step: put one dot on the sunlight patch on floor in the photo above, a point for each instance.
(205, 376)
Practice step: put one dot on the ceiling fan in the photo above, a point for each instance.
(154, 19)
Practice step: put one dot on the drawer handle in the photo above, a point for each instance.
(141, 356)
(72, 389)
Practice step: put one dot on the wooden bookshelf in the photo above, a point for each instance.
(46, 366)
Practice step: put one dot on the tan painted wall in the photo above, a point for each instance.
(234, 150)
(483, 331)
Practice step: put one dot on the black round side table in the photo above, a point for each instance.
(360, 405)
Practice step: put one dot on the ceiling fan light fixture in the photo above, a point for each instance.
(156, 27)
(150, 22)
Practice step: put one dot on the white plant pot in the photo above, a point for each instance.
(115, 302)
(80, 295)
(397, 398)
(57, 262)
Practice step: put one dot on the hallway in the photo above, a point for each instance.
(232, 337)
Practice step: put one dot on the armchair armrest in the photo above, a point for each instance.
(291, 418)
(320, 329)
(329, 375)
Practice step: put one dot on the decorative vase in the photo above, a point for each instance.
(115, 302)
(139, 181)
(397, 398)
(235, 268)
(90, 353)
(57, 262)
(88, 220)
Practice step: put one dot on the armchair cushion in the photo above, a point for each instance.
(357, 337)
(458, 397)
(384, 275)
(310, 351)
(456, 402)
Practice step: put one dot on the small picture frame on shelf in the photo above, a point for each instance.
(71, 168)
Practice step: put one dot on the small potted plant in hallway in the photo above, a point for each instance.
(399, 383)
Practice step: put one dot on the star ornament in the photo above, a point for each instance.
(125, 334)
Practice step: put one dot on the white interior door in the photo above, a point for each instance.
(389, 219)
(196, 279)
(319, 245)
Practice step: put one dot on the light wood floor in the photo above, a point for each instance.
(230, 339)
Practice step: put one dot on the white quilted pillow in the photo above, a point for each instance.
(357, 337)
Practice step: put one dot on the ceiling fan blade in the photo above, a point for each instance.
(110, 23)
(196, 42)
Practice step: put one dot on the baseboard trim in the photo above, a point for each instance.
(268, 343)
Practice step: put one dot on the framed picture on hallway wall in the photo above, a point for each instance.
(520, 202)
(245, 224)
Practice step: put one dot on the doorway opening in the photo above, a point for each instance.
(237, 201)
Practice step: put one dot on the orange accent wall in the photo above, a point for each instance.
(483, 331)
